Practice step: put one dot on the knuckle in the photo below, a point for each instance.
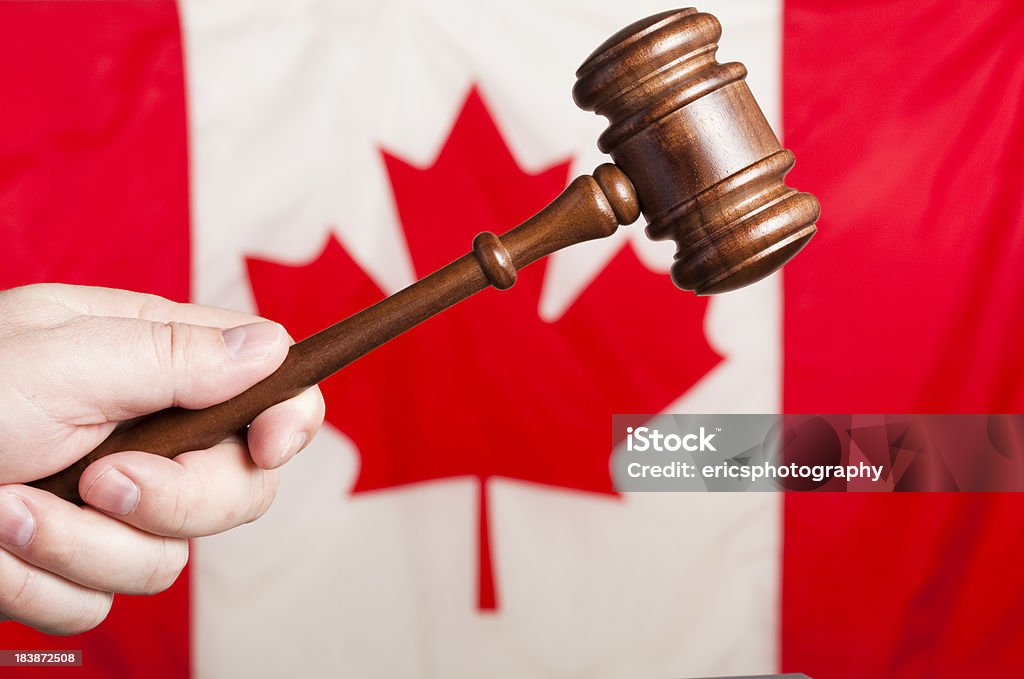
(94, 608)
(153, 306)
(17, 305)
(263, 490)
(32, 291)
(9, 299)
(63, 552)
(16, 587)
(161, 335)
(173, 346)
(181, 344)
(181, 512)
(167, 567)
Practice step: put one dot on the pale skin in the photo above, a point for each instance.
(76, 361)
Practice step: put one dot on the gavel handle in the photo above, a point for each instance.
(591, 207)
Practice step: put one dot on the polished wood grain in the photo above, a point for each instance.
(692, 150)
(707, 167)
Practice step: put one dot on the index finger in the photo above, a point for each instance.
(195, 494)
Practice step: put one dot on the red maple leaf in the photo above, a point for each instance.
(487, 388)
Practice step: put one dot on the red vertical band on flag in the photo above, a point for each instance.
(94, 190)
(907, 120)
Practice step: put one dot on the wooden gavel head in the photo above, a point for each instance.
(707, 169)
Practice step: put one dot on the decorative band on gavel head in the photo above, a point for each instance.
(708, 169)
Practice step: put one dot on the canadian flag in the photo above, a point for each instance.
(456, 517)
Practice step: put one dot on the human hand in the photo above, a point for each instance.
(76, 361)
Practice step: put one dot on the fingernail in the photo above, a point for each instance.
(17, 526)
(295, 443)
(256, 340)
(113, 492)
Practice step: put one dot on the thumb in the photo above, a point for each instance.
(122, 368)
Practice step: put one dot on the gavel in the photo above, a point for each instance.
(692, 152)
